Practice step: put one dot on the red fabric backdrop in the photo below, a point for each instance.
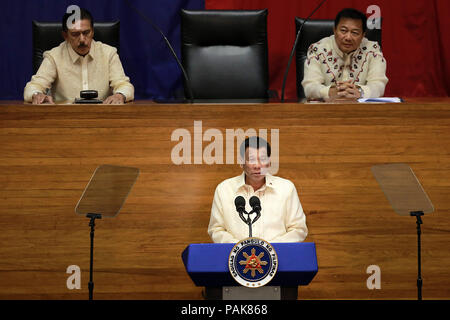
(413, 39)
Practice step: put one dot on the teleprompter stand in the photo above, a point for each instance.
(418, 215)
(104, 196)
(407, 198)
(92, 216)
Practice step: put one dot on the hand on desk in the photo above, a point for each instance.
(40, 98)
(344, 90)
(115, 99)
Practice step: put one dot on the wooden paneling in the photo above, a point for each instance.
(48, 154)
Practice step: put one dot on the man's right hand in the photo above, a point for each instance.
(40, 98)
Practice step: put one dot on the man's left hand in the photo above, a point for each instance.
(115, 99)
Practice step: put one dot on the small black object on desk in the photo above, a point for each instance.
(88, 96)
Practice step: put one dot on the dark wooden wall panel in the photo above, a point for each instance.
(48, 154)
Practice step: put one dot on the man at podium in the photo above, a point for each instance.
(282, 217)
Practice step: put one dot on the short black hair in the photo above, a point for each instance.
(254, 142)
(84, 15)
(352, 14)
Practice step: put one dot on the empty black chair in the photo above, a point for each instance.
(225, 54)
(47, 35)
(313, 31)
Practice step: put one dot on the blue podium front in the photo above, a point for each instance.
(207, 264)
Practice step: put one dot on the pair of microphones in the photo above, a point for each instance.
(255, 203)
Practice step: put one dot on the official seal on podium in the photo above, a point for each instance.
(253, 262)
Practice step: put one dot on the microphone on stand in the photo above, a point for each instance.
(293, 50)
(239, 202)
(256, 205)
(149, 21)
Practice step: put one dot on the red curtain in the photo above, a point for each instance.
(413, 39)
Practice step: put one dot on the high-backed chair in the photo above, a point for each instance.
(47, 35)
(225, 54)
(313, 31)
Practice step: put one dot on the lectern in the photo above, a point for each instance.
(207, 265)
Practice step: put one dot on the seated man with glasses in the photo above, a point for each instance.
(79, 63)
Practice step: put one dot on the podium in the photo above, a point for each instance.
(207, 266)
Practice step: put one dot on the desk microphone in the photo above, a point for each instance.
(293, 50)
(149, 21)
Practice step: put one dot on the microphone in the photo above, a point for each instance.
(149, 21)
(239, 202)
(256, 205)
(293, 50)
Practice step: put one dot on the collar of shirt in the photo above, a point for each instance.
(75, 56)
(270, 183)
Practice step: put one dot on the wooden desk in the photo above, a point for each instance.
(48, 154)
